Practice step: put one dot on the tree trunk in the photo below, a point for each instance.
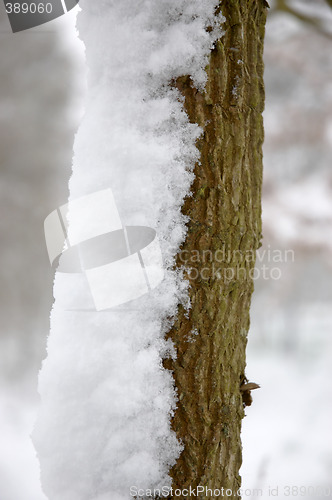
(224, 234)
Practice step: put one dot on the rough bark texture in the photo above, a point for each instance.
(224, 233)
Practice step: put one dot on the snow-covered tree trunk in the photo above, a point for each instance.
(104, 427)
(225, 219)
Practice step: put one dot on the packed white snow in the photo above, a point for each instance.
(106, 401)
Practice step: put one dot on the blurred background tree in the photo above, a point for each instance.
(310, 12)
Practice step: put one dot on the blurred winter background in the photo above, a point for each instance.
(287, 435)
(41, 89)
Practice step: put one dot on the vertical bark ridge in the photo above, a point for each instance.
(225, 219)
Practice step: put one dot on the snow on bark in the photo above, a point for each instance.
(106, 401)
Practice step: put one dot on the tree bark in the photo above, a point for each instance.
(223, 236)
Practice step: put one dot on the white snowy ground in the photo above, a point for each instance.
(287, 438)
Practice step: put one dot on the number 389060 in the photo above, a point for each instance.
(31, 8)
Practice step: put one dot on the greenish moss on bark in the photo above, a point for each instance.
(225, 219)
